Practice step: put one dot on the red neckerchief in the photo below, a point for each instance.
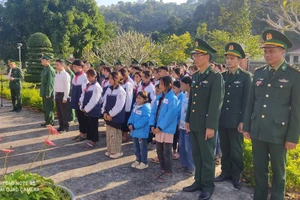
(76, 76)
(88, 85)
(145, 85)
(105, 81)
(125, 81)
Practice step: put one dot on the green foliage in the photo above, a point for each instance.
(175, 49)
(38, 43)
(30, 186)
(292, 167)
(27, 186)
(70, 25)
(39, 40)
(150, 16)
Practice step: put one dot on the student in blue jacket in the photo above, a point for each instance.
(138, 124)
(90, 104)
(163, 123)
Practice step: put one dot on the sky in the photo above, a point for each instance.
(109, 2)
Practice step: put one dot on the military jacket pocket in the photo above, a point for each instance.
(282, 90)
(280, 128)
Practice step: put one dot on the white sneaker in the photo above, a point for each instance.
(107, 154)
(141, 166)
(136, 163)
(117, 155)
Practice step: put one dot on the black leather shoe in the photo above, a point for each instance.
(62, 130)
(237, 184)
(18, 111)
(13, 110)
(204, 196)
(192, 188)
(222, 178)
(45, 125)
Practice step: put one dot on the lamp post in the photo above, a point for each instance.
(20, 57)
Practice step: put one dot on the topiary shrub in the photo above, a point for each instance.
(38, 43)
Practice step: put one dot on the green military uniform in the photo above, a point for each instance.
(70, 110)
(272, 118)
(15, 87)
(237, 88)
(205, 101)
(46, 90)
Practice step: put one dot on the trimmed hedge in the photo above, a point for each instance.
(38, 44)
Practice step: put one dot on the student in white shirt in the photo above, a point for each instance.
(113, 111)
(61, 95)
(90, 104)
(128, 87)
(148, 87)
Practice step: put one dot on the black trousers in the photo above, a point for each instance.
(176, 139)
(82, 121)
(62, 110)
(92, 129)
(164, 153)
(16, 99)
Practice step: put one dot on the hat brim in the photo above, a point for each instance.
(271, 46)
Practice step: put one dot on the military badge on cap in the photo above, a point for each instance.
(273, 38)
(202, 47)
(234, 49)
(269, 36)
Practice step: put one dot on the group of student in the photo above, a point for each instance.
(149, 105)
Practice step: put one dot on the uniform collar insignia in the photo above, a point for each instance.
(283, 80)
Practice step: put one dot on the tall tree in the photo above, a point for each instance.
(127, 45)
(287, 17)
(70, 25)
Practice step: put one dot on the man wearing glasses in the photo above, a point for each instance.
(202, 118)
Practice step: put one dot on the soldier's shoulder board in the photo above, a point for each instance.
(296, 68)
(214, 71)
(224, 72)
(246, 72)
(262, 67)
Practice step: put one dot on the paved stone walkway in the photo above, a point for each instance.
(88, 172)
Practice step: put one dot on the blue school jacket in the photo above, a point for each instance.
(91, 99)
(79, 81)
(114, 105)
(166, 118)
(139, 119)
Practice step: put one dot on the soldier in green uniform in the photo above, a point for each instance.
(46, 90)
(237, 88)
(15, 86)
(71, 73)
(272, 116)
(202, 118)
